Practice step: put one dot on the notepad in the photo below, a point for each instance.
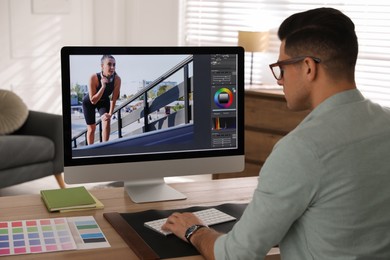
(65, 199)
(99, 205)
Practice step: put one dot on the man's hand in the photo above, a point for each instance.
(203, 239)
(178, 223)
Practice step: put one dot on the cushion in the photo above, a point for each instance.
(13, 112)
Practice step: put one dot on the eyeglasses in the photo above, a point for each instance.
(277, 69)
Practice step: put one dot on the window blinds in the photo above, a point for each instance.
(217, 22)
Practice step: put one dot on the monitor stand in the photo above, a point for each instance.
(151, 190)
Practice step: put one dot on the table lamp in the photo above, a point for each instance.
(253, 42)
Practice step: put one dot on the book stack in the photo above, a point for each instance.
(70, 199)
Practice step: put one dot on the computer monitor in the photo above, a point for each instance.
(179, 112)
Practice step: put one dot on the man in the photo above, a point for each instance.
(323, 193)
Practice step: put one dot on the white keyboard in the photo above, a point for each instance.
(208, 216)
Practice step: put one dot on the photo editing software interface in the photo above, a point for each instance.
(168, 103)
(224, 108)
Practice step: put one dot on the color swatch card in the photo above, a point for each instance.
(87, 233)
(50, 235)
(35, 236)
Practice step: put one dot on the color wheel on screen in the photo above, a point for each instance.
(223, 98)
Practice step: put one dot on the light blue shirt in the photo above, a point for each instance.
(324, 192)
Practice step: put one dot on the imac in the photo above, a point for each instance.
(180, 111)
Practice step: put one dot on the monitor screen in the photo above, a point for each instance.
(139, 114)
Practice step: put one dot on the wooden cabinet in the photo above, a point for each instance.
(267, 119)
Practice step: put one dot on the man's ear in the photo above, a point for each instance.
(311, 68)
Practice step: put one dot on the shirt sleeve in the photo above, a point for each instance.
(287, 185)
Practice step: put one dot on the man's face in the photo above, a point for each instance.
(295, 87)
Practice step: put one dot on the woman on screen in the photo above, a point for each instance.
(101, 86)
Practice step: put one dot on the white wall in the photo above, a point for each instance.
(33, 32)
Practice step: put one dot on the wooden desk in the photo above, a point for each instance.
(206, 193)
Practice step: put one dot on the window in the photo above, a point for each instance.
(217, 22)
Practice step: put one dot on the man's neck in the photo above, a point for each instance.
(325, 91)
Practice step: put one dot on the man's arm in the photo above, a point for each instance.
(204, 240)
(286, 188)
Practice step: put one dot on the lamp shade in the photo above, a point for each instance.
(253, 41)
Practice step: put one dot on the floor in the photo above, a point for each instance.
(34, 187)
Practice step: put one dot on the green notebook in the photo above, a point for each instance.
(70, 198)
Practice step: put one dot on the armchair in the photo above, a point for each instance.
(33, 151)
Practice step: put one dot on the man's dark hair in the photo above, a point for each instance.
(325, 33)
